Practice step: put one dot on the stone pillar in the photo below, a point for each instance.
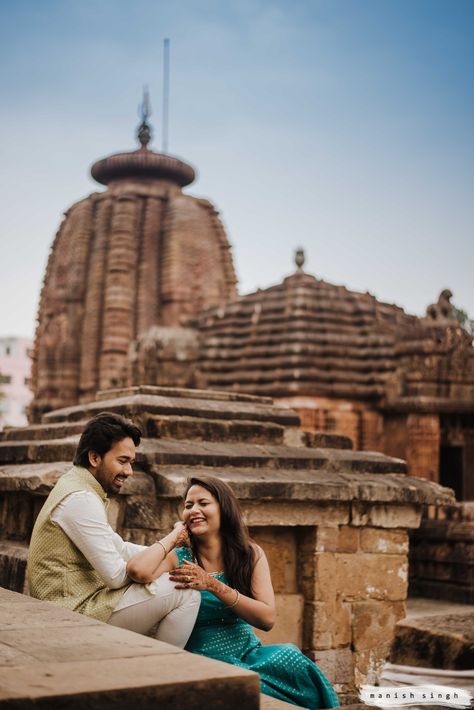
(354, 581)
(422, 453)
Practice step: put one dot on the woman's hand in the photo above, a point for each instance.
(182, 535)
(190, 576)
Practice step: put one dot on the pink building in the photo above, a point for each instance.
(15, 367)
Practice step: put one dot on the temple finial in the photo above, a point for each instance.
(144, 111)
(299, 258)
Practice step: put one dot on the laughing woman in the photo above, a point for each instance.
(233, 576)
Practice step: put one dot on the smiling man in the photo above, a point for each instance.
(77, 560)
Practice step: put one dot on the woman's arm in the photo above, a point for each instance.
(258, 611)
(157, 559)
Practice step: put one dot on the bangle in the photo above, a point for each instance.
(237, 599)
(158, 542)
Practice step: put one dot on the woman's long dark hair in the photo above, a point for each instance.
(237, 549)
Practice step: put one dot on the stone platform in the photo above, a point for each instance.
(444, 641)
(334, 522)
(51, 657)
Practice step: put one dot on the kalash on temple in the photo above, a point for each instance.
(307, 397)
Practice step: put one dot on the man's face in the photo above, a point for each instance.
(113, 468)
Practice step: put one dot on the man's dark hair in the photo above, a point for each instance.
(101, 433)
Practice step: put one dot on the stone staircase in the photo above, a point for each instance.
(246, 438)
(318, 508)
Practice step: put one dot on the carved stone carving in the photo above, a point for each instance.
(443, 309)
(165, 356)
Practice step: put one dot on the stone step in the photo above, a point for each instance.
(443, 589)
(438, 641)
(192, 428)
(19, 452)
(219, 454)
(268, 703)
(51, 657)
(136, 405)
(168, 481)
(13, 557)
(199, 429)
(295, 485)
(178, 392)
(42, 432)
(165, 427)
(324, 440)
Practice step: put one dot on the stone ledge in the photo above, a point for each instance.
(134, 405)
(280, 484)
(262, 483)
(441, 589)
(444, 530)
(268, 703)
(34, 432)
(440, 641)
(13, 558)
(213, 453)
(35, 478)
(51, 657)
(428, 405)
(215, 395)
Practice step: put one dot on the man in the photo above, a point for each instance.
(77, 560)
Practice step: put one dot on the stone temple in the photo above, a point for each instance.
(139, 254)
(349, 363)
(272, 391)
(140, 290)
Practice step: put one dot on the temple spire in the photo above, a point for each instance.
(144, 130)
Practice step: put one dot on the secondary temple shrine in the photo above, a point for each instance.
(337, 419)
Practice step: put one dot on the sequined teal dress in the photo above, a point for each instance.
(284, 671)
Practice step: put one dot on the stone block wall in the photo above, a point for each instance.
(442, 553)
(355, 586)
(339, 570)
(353, 419)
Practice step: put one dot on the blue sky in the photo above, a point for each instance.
(344, 126)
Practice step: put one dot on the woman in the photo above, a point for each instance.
(233, 576)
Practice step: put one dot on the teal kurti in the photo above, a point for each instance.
(284, 671)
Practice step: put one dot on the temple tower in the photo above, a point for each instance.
(139, 254)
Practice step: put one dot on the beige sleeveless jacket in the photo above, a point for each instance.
(57, 569)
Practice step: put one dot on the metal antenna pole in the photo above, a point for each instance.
(166, 93)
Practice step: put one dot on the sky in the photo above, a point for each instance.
(342, 126)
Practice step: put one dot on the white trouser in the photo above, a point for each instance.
(175, 610)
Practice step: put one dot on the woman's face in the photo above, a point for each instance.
(201, 512)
